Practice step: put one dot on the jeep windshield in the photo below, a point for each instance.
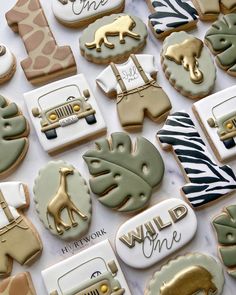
(226, 107)
(58, 96)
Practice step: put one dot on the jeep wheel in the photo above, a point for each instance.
(51, 134)
(91, 119)
(229, 143)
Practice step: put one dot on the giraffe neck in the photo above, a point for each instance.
(63, 184)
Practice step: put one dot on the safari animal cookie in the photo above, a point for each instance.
(207, 182)
(19, 239)
(221, 39)
(7, 64)
(138, 94)
(217, 117)
(225, 225)
(14, 143)
(95, 270)
(170, 16)
(77, 13)
(20, 284)
(113, 38)
(188, 275)
(46, 60)
(62, 200)
(155, 233)
(188, 65)
(124, 177)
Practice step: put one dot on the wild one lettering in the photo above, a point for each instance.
(81, 6)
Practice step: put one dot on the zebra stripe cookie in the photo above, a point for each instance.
(171, 15)
(207, 182)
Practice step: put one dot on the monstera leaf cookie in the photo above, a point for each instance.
(221, 39)
(124, 177)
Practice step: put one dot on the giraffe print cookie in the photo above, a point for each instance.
(63, 200)
(46, 60)
(7, 64)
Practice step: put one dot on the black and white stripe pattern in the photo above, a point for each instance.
(171, 14)
(207, 181)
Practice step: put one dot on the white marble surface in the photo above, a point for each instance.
(103, 218)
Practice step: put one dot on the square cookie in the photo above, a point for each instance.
(64, 113)
(93, 271)
(217, 117)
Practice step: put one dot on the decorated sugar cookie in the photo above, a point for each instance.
(207, 182)
(170, 16)
(221, 39)
(19, 239)
(217, 117)
(14, 143)
(124, 175)
(7, 64)
(62, 200)
(155, 233)
(46, 60)
(20, 284)
(136, 90)
(188, 275)
(113, 38)
(188, 65)
(77, 13)
(93, 271)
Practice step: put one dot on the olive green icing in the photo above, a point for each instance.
(46, 188)
(221, 38)
(13, 142)
(124, 177)
(225, 226)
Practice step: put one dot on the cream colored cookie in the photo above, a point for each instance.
(7, 64)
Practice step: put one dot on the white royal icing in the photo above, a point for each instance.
(6, 61)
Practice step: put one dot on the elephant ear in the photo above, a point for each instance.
(123, 176)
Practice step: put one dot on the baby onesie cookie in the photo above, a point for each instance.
(217, 117)
(221, 39)
(113, 38)
(64, 113)
(14, 143)
(20, 284)
(95, 270)
(156, 233)
(19, 239)
(77, 13)
(188, 65)
(190, 274)
(207, 182)
(46, 60)
(7, 64)
(124, 175)
(136, 90)
(62, 200)
(171, 15)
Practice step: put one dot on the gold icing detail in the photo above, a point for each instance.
(186, 54)
(76, 108)
(63, 201)
(133, 236)
(178, 213)
(2, 50)
(122, 26)
(229, 125)
(104, 288)
(53, 117)
(160, 224)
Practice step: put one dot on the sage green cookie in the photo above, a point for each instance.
(63, 200)
(225, 226)
(13, 137)
(221, 39)
(113, 38)
(188, 275)
(124, 176)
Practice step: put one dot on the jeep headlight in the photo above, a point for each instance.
(53, 117)
(104, 288)
(229, 125)
(76, 108)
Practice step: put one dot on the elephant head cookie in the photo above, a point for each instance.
(62, 200)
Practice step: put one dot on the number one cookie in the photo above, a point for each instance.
(207, 181)
(46, 60)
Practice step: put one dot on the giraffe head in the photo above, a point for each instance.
(66, 171)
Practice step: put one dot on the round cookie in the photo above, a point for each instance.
(14, 130)
(7, 64)
(113, 38)
(62, 200)
(188, 65)
(190, 274)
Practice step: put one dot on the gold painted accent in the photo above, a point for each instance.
(121, 26)
(76, 108)
(133, 236)
(104, 288)
(160, 224)
(150, 228)
(2, 50)
(229, 125)
(53, 117)
(178, 213)
(186, 54)
(63, 201)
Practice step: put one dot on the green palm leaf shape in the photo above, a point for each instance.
(124, 177)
